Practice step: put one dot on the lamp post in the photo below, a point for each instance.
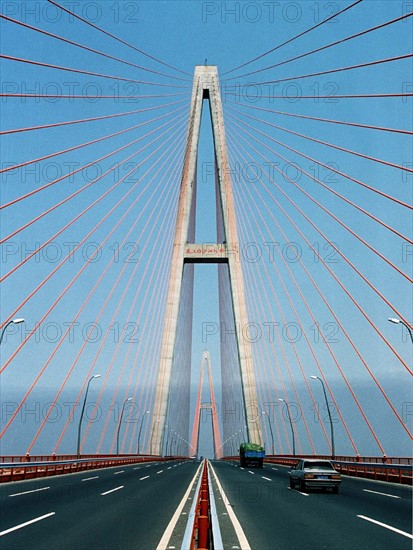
(272, 435)
(329, 415)
(291, 424)
(81, 414)
(398, 321)
(140, 429)
(12, 321)
(120, 422)
(163, 439)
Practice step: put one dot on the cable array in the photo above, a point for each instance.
(319, 156)
(325, 225)
(89, 195)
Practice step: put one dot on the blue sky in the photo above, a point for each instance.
(228, 34)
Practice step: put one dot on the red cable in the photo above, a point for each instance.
(82, 46)
(346, 292)
(73, 251)
(114, 316)
(68, 122)
(66, 289)
(359, 182)
(325, 47)
(51, 239)
(328, 212)
(345, 123)
(332, 273)
(74, 148)
(152, 328)
(386, 163)
(80, 71)
(341, 69)
(35, 191)
(90, 97)
(263, 286)
(260, 285)
(258, 210)
(294, 37)
(118, 39)
(131, 309)
(113, 287)
(69, 420)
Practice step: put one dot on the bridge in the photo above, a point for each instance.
(199, 253)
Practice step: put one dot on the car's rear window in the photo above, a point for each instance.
(318, 466)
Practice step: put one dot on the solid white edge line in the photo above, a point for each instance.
(408, 535)
(25, 524)
(242, 539)
(383, 494)
(112, 490)
(216, 530)
(171, 525)
(189, 528)
(27, 492)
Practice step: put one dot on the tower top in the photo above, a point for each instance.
(206, 69)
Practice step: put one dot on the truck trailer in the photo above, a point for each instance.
(251, 454)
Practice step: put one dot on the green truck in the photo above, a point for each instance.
(251, 454)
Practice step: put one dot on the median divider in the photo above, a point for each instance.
(202, 529)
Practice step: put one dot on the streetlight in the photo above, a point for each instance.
(81, 414)
(397, 321)
(329, 414)
(12, 321)
(120, 422)
(163, 439)
(140, 429)
(291, 424)
(272, 435)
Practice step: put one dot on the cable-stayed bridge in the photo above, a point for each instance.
(258, 214)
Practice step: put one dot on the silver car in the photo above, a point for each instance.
(314, 473)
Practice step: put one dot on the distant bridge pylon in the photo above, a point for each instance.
(211, 406)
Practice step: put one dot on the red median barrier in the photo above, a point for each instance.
(201, 534)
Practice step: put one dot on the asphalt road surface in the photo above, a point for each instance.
(114, 508)
(273, 516)
(130, 507)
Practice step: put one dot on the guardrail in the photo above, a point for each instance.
(202, 530)
(66, 464)
(392, 469)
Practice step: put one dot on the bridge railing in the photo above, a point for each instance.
(19, 468)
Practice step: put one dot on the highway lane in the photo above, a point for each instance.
(273, 516)
(115, 508)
